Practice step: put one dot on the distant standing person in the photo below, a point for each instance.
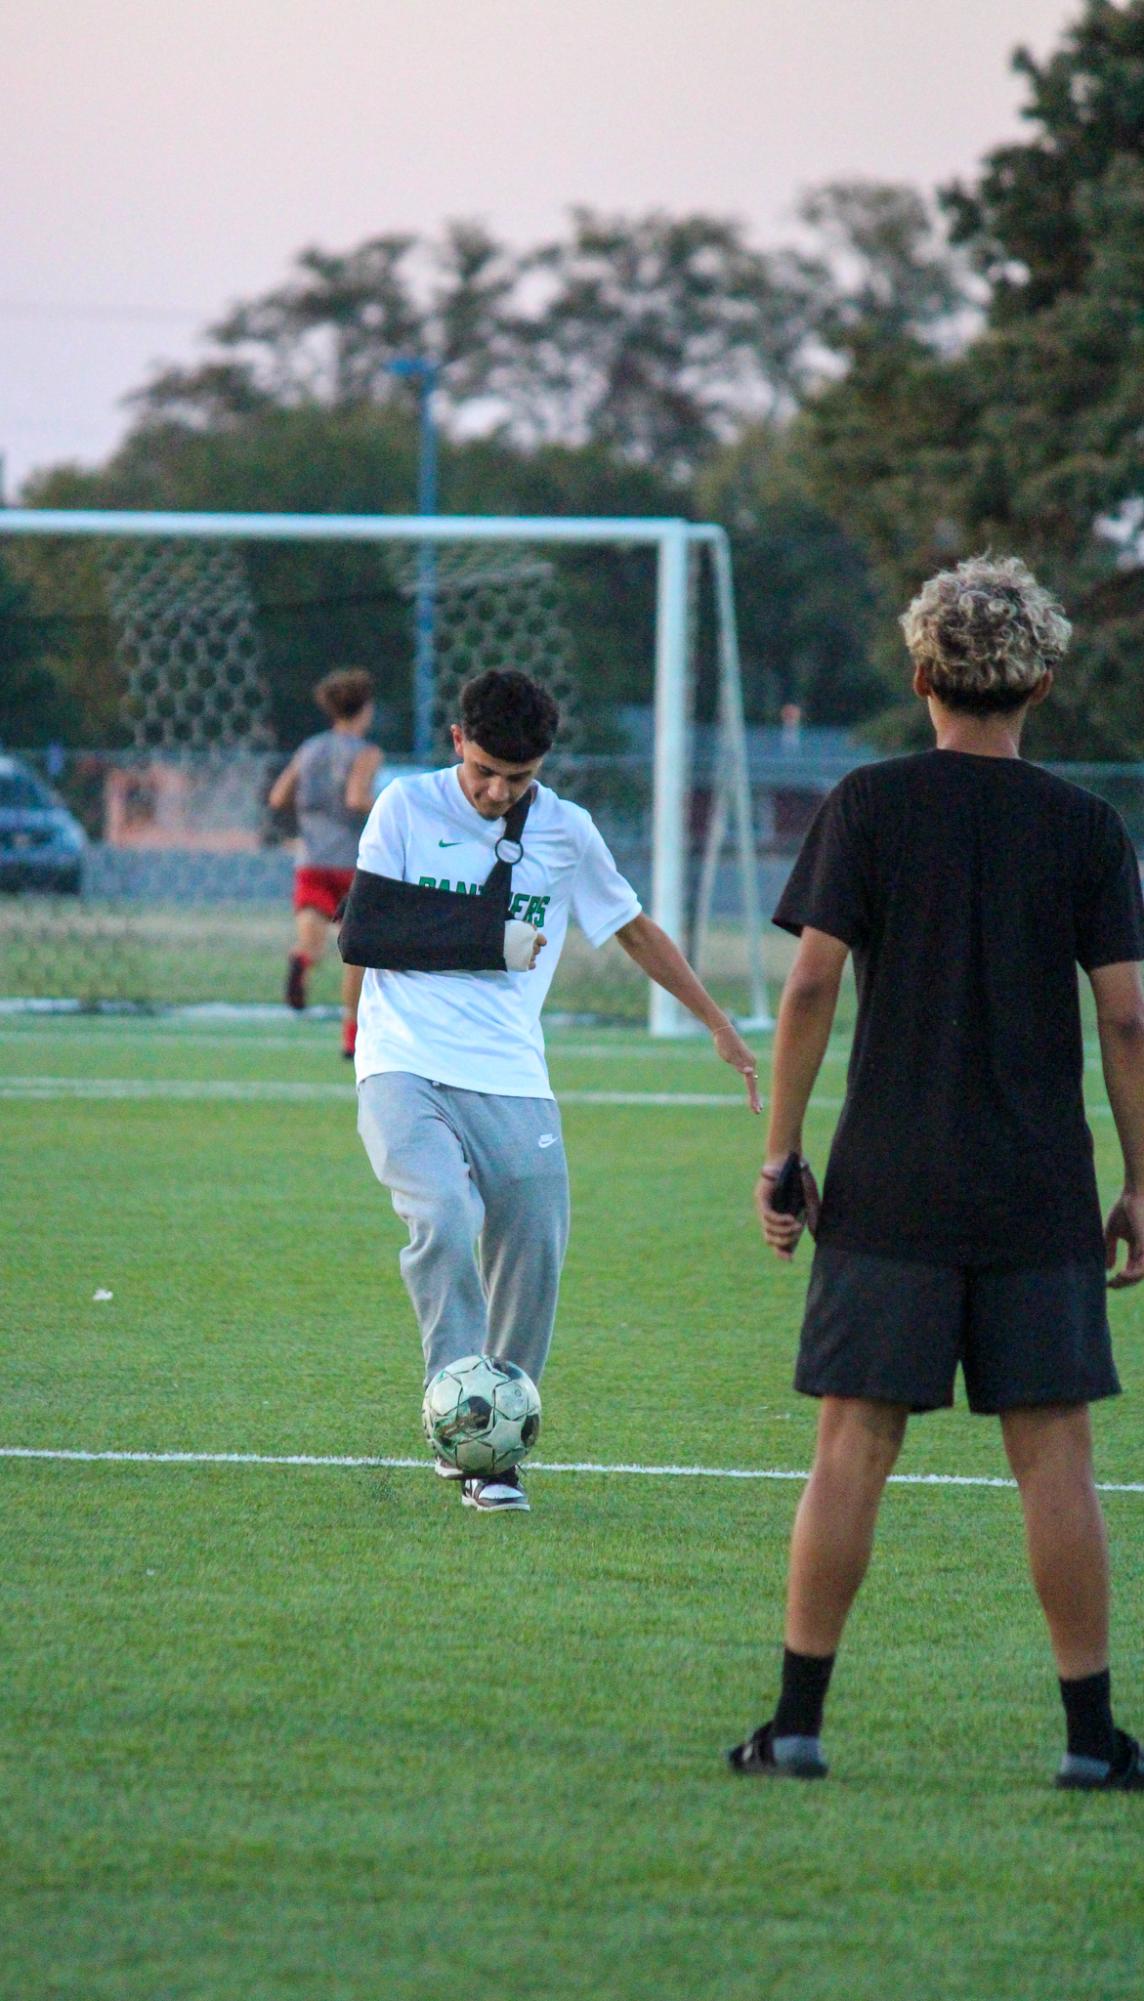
(330, 784)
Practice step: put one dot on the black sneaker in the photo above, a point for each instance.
(1125, 1773)
(295, 992)
(497, 1493)
(774, 1757)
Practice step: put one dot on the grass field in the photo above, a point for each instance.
(281, 1730)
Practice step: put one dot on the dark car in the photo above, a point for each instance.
(41, 844)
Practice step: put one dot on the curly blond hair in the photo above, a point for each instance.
(985, 633)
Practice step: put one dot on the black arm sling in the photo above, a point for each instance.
(406, 927)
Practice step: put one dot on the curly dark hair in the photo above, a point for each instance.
(510, 715)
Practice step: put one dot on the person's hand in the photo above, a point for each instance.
(523, 944)
(1125, 1223)
(730, 1046)
(782, 1232)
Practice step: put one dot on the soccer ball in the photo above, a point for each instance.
(481, 1414)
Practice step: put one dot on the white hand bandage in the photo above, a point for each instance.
(519, 942)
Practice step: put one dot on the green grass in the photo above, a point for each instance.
(274, 1732)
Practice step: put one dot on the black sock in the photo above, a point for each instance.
(806, 1678)
(1088, 1715)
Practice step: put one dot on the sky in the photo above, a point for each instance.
(164, 158)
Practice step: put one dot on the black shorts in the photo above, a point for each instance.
(895, 1332)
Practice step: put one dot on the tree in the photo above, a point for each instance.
(656, 337)
(893, 275)
(32, 707)
(659, 337)
(1027, 224)
(802, 585)
(1033, 439)
(327, 337)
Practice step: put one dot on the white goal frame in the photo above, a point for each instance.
(676, 542)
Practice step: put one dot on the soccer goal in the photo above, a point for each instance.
(184, 629)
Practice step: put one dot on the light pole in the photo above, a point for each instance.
(415, 368)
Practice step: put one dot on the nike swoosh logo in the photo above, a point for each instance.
(547, 1139)
(450, 844)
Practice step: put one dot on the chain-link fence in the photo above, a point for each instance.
(181, 893)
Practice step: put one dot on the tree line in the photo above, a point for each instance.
(909, 383)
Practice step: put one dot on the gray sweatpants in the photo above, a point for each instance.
(481, 1183)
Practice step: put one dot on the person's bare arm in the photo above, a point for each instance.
(282, 791)
(660, 958)
(806, 1016)
(1120, 1022)
(359, 784)
(352, 977)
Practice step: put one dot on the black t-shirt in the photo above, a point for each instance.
(968, 889)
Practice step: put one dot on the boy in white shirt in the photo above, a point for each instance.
(454, 1104)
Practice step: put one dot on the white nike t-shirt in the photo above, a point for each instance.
(481, 1031)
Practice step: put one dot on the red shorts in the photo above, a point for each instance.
(321, 889)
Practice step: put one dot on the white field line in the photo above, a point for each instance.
(222, 1090)
(172, 1035)
(207, 1090)
(219, 1014)
(641, 1051)
(535, 1466)
(624, 1046)
(837, 1055)
(244, 1090)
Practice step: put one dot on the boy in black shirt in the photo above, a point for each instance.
(959, 1221)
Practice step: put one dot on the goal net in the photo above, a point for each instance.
(194, 641)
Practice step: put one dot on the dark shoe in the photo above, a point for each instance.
(779, 1758)
(497, 1493)
(295, 994)
(1125, 1774)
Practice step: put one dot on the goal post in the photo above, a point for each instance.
(677, 546)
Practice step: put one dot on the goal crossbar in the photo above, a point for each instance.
(672, 538)
(615, 528)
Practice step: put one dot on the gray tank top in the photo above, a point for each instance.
(330, 830)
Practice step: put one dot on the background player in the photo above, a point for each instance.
(960, 1218)
(454, 1104)
(329, 782)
